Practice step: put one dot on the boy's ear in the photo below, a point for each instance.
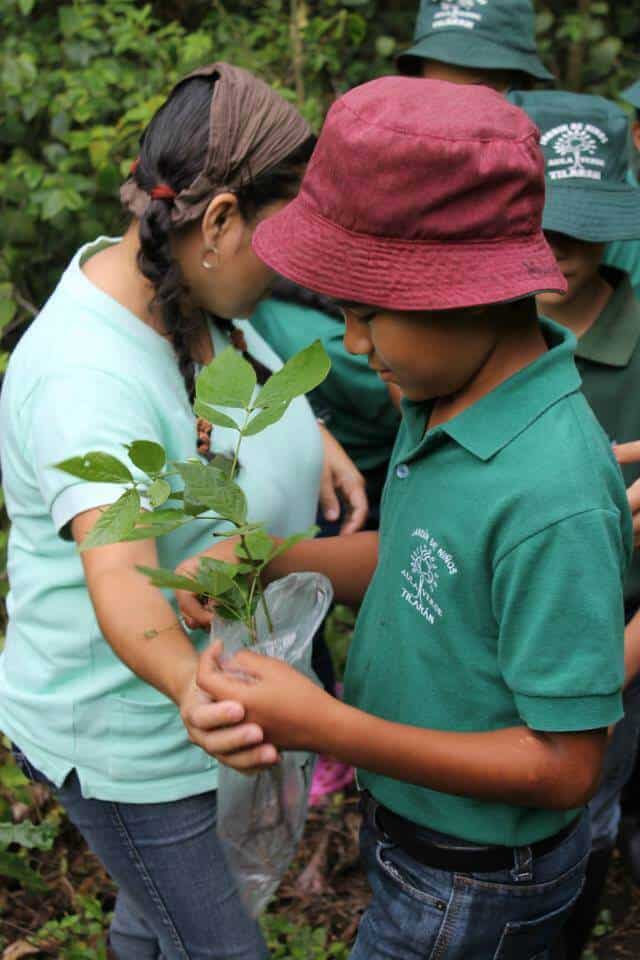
(218, 218)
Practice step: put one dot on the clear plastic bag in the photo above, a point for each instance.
(261, 817)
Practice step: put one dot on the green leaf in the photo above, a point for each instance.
(115, 523)
(209, 486)
(228, 381)
(170, 580)
(302, 373)
(31, 835)
(264, 419)
(147, 455)
(11, 865)
(289, 542)
(216, 583)
(7, 311)
(96, 467)
(26, 6)
(214, 416)
(255, 546)
(159, 492)
(385, 46)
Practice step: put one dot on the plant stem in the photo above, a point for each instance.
(236, 452)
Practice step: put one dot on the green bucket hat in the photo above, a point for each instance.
(486, 34)
(586, 149)
(632, 95)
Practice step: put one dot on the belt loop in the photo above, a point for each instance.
(523, 865)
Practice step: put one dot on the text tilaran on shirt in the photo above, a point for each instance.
(429, 561)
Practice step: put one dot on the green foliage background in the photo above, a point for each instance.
(79, 80)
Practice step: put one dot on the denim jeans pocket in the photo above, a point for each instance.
(531, 939)
(416, 881)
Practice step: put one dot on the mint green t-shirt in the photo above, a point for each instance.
(89, 375)
(497, 600)
(353, 401)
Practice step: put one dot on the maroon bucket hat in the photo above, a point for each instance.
(420, 195)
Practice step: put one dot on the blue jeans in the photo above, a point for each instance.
(421, 913)
(619, 762)
(176, 898)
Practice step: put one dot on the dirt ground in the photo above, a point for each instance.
(325, 887)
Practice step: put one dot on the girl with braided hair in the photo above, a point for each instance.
(92, 702)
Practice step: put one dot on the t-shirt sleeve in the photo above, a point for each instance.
(75, 412)
(558, 601)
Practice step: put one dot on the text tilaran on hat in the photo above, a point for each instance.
(459, 13)
(577, 146)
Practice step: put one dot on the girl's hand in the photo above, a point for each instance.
(219, 730)
(195, 612)
(341, 479)
(286, 706)
(630, 453)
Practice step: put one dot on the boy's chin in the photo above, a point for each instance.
(551, 300)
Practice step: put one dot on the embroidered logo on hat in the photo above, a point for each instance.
(459, 13)
(577, 146)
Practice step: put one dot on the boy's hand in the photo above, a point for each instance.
(286, 705)
(341, 480)
(630, 453)
(195, 612)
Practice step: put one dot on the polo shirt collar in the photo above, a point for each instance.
(500, 416)
(615, 334)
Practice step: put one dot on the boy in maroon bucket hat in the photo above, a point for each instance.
(487, 660)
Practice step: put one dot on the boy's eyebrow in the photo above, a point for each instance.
(359, 308)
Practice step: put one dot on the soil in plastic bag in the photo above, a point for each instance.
(261, 817)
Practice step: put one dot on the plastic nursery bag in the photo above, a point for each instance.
(261, 817)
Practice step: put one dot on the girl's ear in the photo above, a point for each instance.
(218, 218)
(635, 132)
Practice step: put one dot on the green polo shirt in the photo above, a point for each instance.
(497, 600)
(608, 358)
(353, 401)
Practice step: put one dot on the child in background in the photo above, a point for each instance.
(589, 203)
(625, 254)
(480, 682)
(352, 402)
(463, 41)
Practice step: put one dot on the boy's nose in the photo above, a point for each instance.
(357, 339)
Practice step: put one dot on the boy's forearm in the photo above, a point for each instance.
(632, 649)
(516, 765)
(349, 562)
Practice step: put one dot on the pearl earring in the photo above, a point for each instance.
(205, 263)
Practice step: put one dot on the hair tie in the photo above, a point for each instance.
(134, 166)
(162, 192)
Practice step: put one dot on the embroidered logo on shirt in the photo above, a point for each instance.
(428, 562)
(459, 13)
(577, 146)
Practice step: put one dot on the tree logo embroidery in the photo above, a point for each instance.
(576, 146)
(459, 13)
(424, 569)
(429, 561)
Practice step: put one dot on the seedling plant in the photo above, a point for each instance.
(172, 494)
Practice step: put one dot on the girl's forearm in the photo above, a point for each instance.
(143, 630)
(516, 765)
(349, 562)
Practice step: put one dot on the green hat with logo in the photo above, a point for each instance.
(632, 95)
(586, 149)
(485, 34)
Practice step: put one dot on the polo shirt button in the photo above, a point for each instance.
(402, 471)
